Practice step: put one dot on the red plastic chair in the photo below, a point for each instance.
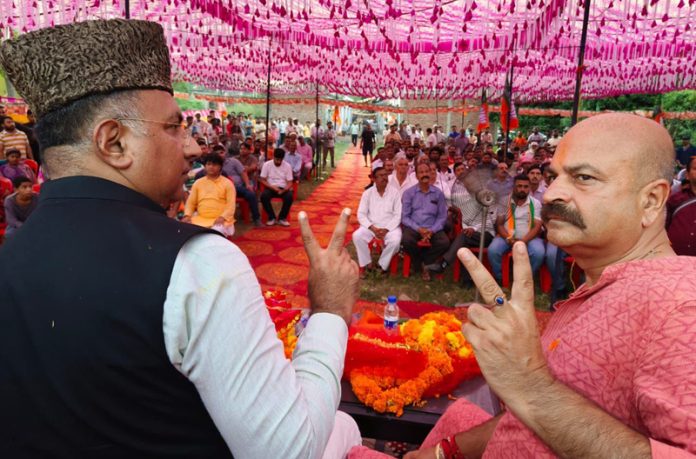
(545, 279)
(406, 269)
(6, 186)
(457, 268)
(456, 216)
(244, 209)
(309, 175)
(294, 198)
(377, 245)
(544, 274)
(33, 164)
(507, 258)
(243, 205)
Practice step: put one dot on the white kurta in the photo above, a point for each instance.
(410, 181)
(444, 183)
(219, 335)
(383, 212)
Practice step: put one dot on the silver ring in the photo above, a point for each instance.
(499, 300)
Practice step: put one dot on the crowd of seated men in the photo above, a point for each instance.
(19, 173)
(417, 170)
(213, 190)
(257, 172)
(411, 199)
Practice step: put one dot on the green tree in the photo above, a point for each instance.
(182, 86)
(190, 104)
(680, 101)
(3, 85)
(677, 101)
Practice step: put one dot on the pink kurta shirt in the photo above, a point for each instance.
(628, 344)
(305, 152)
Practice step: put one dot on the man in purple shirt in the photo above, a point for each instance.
(461, 141)
(15, 168)
(20, 205)
(423, 216)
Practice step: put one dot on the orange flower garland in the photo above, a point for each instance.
(288, 336)
(429, 356)
(439, 336)
(284, 317)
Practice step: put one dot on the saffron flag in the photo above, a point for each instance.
(336, 117)
(483, 113)
(658, 115)
(507, 106)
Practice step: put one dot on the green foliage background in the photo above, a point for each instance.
(677, 101)
(194, 104)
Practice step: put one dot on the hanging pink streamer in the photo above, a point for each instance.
(410, 48)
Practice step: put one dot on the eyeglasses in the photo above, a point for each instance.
(184, 131)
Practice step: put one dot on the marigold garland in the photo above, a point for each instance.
(288, 336)
(439, 336)
(432, 348)
(284, 318)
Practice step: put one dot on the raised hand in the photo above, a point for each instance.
(333, 275)
(506, 338)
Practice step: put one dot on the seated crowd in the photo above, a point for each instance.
(257, 176)
(232, 168)
(19, 173)
(420, 204)
(129, 334)
(432, 180)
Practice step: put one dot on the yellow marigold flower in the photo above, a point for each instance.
(464, 352)
(425, 337)
(453, 340)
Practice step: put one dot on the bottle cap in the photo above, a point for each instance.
(391, 299)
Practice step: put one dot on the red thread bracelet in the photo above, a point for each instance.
(451, 449)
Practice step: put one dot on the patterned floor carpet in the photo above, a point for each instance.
(277, 254)
(278, 257)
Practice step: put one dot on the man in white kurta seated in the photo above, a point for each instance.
(401, 179)
(379, 215)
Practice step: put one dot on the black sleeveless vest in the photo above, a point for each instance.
(83, 367)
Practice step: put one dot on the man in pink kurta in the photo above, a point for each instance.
(628, 343)
(614, 374)
(305, 152)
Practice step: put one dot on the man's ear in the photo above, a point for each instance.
(110, 138)
(653, 198)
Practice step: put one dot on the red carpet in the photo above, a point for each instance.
(277, 253)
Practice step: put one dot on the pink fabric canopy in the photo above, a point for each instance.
(414, 49)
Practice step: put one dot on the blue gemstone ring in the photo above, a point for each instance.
(499, 300)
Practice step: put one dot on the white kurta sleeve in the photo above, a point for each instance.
(363, 208)
(395, 221)
(219, 335)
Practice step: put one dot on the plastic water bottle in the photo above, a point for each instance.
(391, 314)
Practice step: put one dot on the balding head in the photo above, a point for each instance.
(612, 179)
(638, 142)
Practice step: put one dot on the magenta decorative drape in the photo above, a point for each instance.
(407, 48)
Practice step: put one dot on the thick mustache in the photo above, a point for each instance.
(562, 212)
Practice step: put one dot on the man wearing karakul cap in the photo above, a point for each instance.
(124, 333)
